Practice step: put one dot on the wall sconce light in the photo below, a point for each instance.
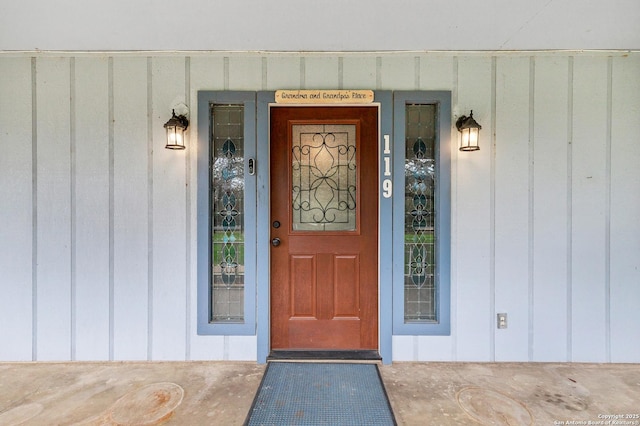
(176, 126)
(470, 130)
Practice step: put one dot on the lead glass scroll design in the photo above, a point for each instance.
(324, 177)
(227, 215)
(420, 215)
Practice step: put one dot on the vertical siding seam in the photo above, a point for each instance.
(492, 212)
(264, 73)
(34, 210)
(454, 224)
(303, 72)
(416, 69)
(73, 207)
(340, 72)
(149, 208)
(607, 257)
(187, 190)
(225, 73)
(569, 184)
(111, 208)
(531, 225)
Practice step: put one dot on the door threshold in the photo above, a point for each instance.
(313, 355)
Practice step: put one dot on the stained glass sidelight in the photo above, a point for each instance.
(420, 214)
(324, 177)
(227, 218)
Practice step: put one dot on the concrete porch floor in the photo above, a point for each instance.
(221, 393)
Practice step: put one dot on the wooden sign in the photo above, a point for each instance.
(324, 96)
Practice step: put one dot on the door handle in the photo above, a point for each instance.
(275, 242)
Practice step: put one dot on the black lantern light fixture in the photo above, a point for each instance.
(470, 131)
(176, 127)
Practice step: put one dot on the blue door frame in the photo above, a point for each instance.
(384, 101)
(391, 153)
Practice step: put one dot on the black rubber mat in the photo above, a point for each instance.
(325, 355)
(300, 393)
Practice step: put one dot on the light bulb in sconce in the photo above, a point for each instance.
(469, 133)
(176, 128)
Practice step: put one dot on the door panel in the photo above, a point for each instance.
(302, 286)
(324, 212)
(346, 289)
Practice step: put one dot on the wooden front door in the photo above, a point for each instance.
(324, 228)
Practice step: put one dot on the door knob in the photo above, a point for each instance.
(275, 242)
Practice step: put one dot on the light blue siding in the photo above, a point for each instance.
(473, 216)
(92, 212)
(513, 242)
(543, 218)
(17, 183)
(625, 209)
(131, 210)
(589, 210)
(53, 229)
(550, 161)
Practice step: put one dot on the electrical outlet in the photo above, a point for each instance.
(502, 320)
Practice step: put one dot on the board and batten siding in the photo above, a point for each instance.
(97, 219)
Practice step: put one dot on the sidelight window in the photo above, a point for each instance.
(226, 213)
(420, 174)
(422, 130)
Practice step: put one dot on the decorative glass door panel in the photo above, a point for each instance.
(324, 178)
(420, 214)
(227, 214)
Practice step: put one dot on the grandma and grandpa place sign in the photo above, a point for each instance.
(324, 96)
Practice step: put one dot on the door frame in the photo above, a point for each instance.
(265, 101)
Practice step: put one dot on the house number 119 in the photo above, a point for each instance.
(387, 184)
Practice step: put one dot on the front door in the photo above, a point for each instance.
(324, 229)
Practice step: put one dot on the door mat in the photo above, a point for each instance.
(294, 393)
(344, 356)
